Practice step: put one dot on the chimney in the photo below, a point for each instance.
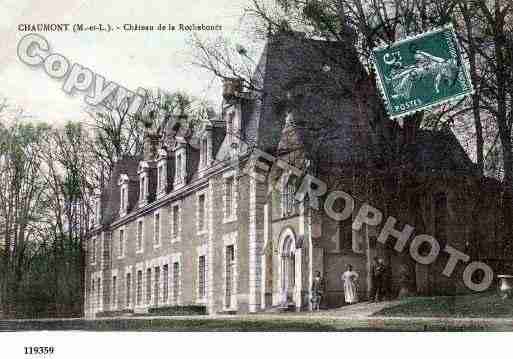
(232, 88)
(151, 144)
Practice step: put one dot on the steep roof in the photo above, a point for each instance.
(319, 81)
(440, 150)
(110, 194)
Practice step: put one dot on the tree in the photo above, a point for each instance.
(22, 207)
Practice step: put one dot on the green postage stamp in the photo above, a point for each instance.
(421, 71)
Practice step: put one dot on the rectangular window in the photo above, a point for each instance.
(156, 230)
(121, 242)
(288, 202)
(98, 287)
(114, 291)
(178, 167)
(176, 281)
(159, 177)
(229, 197)
(139, 287)
(165, 287)
(142, 189)
(230, 258)
(201, 276)
(148, 286)
(106, 248)
(156, 284)
(229, 129)
(139, 235)
(176, 221)
(93, 250)
(98, 212)
(204, 152)
(122, 199)
(128, 289)
(201, 212)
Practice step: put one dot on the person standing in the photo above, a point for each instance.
(379, 279)
(317, 291)
(350, 278)
(374, 281)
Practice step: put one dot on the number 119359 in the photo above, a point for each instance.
(35, 350)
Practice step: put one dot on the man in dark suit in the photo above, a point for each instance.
(378, 272)
(317, 290)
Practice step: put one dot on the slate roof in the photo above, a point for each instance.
(440, 150)
(321, 78)
(321, 81)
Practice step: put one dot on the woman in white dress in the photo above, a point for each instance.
(350, 279)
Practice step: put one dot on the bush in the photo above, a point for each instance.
(114, 313)
(178, 310)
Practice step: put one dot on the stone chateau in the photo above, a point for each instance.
(183, 224)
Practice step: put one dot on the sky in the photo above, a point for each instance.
(131, 59)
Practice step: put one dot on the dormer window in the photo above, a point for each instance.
(98, 211)
(161, 172)
(204, 152)
(143, 172)
(142, 189)
(288, 203)
(180, 166)
(123, 195)
(122, 199)
(161, 179)
(230, 129)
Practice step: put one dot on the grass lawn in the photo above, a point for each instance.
(186, 325)
(253, 325)
(482, 305)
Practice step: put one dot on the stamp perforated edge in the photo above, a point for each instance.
(452, 99)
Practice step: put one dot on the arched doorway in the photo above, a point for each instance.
(288, 269)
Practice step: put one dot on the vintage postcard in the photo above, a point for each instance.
(237, 166)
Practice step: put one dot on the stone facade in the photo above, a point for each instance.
(184, 224)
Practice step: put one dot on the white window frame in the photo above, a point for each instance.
(121, 249)
(233, 215)
(164, 263)
(148, 293)
(98, 211)
(205, 228)
(142, 188)
(139, 267)
(204, 151)
(123, 194)
(176, 258)
(179, 181)
(97, 290)
(175, 238)
(160, 182)
(131, 304)
(201, 251)
(161, 173)
(286, 179)
(157, 232)
(93, 250)
(230, 239)
(114, 302)
(143, 183)
(140, 249)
